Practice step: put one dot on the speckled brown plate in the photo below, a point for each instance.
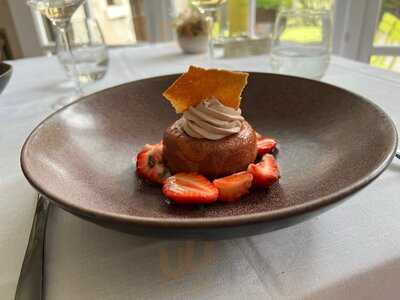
(332, 143)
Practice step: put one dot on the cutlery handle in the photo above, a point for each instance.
(31, 278)
(398, 154)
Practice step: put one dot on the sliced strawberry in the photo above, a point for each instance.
(234, 186)
(190, 188)
(265, 172)
(149, 164)
(266, 145)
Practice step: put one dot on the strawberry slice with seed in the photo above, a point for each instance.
(149, 164)
(266, 145)
(233, 187)
(266, 172)
(190, 188)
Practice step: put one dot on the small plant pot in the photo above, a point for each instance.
(193, 44)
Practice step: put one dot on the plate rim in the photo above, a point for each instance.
(209, 222)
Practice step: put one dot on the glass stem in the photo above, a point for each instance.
(210, 20)
(74, 70)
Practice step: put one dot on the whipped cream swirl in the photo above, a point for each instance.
(212, 120)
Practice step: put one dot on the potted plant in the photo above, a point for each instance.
(192, 31)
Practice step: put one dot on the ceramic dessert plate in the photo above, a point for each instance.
(332, 143)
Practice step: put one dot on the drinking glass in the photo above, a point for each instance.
(59, 12)
(88, 49)
(301, 44)
(208, 8)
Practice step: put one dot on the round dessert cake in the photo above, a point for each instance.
(211, 158)
(211, 149)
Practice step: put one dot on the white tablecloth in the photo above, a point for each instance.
(350, 252)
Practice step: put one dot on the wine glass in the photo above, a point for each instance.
(208, 8)
(89, 50)
(59, 12)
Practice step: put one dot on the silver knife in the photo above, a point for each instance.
(31, 279)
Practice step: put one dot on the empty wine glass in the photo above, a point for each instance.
(302, 42)
(59, 12)
(88, 48)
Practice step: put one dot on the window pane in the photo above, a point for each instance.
(79, 14)
(386, 62)
(181, 5)
(266, 11)
(115, 19)
(388, 28)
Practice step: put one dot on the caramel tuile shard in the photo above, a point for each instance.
(199, 84)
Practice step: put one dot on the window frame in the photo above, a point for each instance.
(29, 43)
(355, 26)
(158, 29)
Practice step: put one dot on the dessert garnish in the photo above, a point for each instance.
(199, 84)
(188, 188)
(211, 153)
(265, 172)
(149, 164)
(212, 120)
(265, 145)
(233, 187)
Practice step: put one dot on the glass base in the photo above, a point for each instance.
(240, 47)
(64, 101)
(71, 95)
(300, 62)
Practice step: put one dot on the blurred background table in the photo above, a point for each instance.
(350, 252)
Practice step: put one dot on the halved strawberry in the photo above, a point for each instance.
(149, 164)
(266, 172)
(266, 145)
(234, 186)
(190, 188)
